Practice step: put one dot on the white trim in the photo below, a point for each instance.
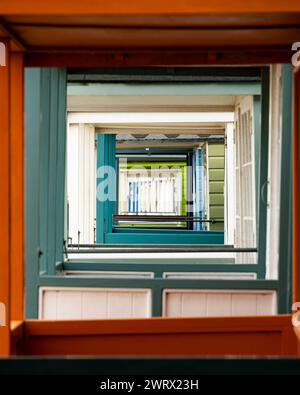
(175, 256)
(210, 275)
(273, 207)
(145, 291)
(155, 117)
(206, 292)
(138, 103)
(107, 274)
(229, 195)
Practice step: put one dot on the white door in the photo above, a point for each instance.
(245, 210)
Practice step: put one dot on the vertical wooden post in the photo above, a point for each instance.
(296, 186)
(5, 204)
(16, 185)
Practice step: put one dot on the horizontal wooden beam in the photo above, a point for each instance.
(5, 234)
(136, 7)
(157, 325)
(96, 58)
(17, 43)
(109, 38)
(272, 335)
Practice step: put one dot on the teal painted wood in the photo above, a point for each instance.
(285, 227)
(263, 173)
(163, 89)
(39, 89)
(43, 165)
(61, 197)
(32, 197)
(100, 216)
(56, 174)
(165, 238)
(106, 144)
(169, 231)
(50, 246)
(151, 259)
(105, 209)
(93, 282)
(157, 300)
(45, 96)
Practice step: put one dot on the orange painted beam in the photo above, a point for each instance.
(157, 325)
(93, 58)
(16, 336)
(271, 335)
(137, 7)
(109, 38)
(17, 186)
(5, 206)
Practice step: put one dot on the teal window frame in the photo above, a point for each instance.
(183, 152)
(45, 146)
(105, 232)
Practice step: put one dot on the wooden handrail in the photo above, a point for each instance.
(259, 335)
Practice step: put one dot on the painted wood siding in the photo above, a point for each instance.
(93, 303)
(245, 199)
(150, 191)
(81, 183)
(274, 168)
(215, 153)
(217, 303)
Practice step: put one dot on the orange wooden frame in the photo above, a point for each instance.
(16, 185)
(11, 146)
(150, 8)
(11, 193)
(272, 335)
(5, 202)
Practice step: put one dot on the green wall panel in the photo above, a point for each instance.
(216, 149)
(216, 199)
(216, 175)
(217, 212)
(45, 142)
(216, 159)
(216, 187)
(216, 162)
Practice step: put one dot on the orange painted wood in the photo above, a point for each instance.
(215, 19)
(137, 7)
(93, 58)
(272, 335)
(297, 332)
(16, 336)
(135, 37)
(5, 202)
(241, 336)
(119, 24)
(17, 186)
